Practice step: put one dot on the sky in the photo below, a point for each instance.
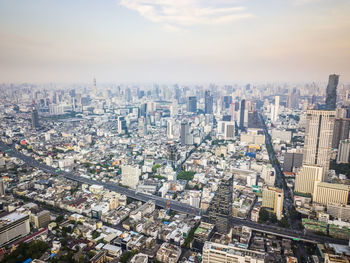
(167, 41)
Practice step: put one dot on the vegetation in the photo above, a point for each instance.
(263, 215)
(183, 175)
(25, 251)
(190, 237)
(155, 167)
(341, 168)
(127, 255)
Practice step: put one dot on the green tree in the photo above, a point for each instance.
(263, 215)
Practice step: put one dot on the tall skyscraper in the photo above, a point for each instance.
(208, 103)
(318, 139)
(219, 211)
(341, 131)
(192, 104)
(331, 92)
(35, 119)
(183, 132)
(276, 109)
(241, 118)
(142, 126)
(121, 123)
(170, 129)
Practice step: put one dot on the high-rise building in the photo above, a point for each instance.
(170, 129)
(121, 123)
(229, 130)
(325, 193)
(35, 119)
(172, 152)
(291, 161)
(13, 227)
(142, 126)
(341, 131)
(276, 109)
(208, 100)
(241, 115)
(227, 102)
(192, 104)
(331, 92)
(2, 187)
(344, 151)
(41, 219)
(318, 139)
(268, 173)
(220, 253)
(306, 177)
(130, 175)
(219, 211)
(184, 133)
(273, 198)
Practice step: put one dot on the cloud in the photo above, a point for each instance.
(177, 14)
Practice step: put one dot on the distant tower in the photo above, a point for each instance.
(94, 87)
(276, 109)
(208, 103)
(192, 104)
(35, 119)
(331, 92)
(318, 138)
(170, 129)
(184, 133)
(241, 118)
(2, 187)
(142, 126)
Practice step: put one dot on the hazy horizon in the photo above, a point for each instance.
(165, 41)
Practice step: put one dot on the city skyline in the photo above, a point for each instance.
(174, 41)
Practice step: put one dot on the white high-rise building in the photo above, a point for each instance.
(269, 175)
(306, 177)
(343, 151)
(277, 107)
(170, 129)
(130, 175)
(318, 138)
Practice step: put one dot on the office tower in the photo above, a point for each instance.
(2, 187)
(326, 193)
(41, 219)
(318, 139)
(192, 104)
(341, 131)
(275, 109)
(35, 119)
(233, 111)
(331, 92)
(172, 152)
(227, 102)
(306, 177)
(142, 126)
(121, 123)
(219, 211)
(273, 198)
(185, 130)
(13, 226)
(94, 87)
(268, 173)
(170, 129)
(143, 110)
(130, 175)
(229, 130)
(220, 253)
(241, 115)
(292, 161)
(343, 151)
(208, 103)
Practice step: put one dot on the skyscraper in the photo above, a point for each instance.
(183, 132)
(208, 103)
(318, 138)
(35, 119)
(142, 126)
(220, 209)
(241, 117)
(192, 104)
(331, 92)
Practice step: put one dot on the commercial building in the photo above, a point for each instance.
(219, 211)
(208, 100)
(291, 161)
(273, 198)
(341, 131)
(142, 126)
(192, 104)
(219, 253)
(41, 219)
(337, 211)
(130, 175)
(318, 139)
(306, 177)
(35, 119)
(170, 129)
(269, 175)
(331, 92)
(13, 227)
(325, 193)
(343, 151)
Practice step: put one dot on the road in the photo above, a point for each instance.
(162, 202)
